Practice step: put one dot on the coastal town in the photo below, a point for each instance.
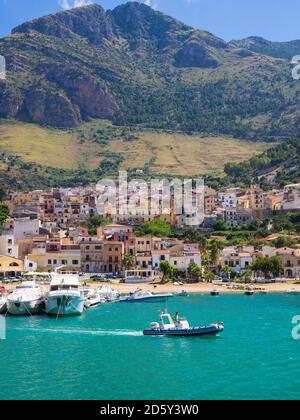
(62, 231)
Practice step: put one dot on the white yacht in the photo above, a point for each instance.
(145, 296)
(26, 299)
(108, 293)
(3, 304)
(91, 297)
(65, 297)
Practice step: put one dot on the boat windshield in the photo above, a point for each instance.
(165, 319)
(64, 287)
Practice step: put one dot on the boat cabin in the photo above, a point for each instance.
(167, 322)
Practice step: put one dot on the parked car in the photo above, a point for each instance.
(112, 276)
(98, 277)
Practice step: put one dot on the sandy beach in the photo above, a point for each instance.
(201, 288)
(196, 288)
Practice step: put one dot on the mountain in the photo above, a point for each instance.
(286, 50)
(136, 66)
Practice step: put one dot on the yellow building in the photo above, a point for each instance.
(10, 267)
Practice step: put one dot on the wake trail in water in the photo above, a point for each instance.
(79, 331)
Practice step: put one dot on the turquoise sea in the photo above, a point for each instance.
(103, 354)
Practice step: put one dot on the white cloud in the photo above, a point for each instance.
(71, 4)
(151, 3)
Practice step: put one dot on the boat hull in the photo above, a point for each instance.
(64, 306)
(3, 306)
(191, 332)
(33, 307)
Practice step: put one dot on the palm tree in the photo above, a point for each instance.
(128, 262)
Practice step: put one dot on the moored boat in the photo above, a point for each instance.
(249, 291)
(214, 293)
(293, 292)
(3, 304)
(145, 296)
(26, 299)
(108, 293)
(183, 293)
(176, 326)
(64, 298)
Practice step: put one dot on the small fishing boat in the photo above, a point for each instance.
(183, 293)
(26, 299)
(145, 296)
(293, 292)
(214, 293)
(180, 327)
(249, 291)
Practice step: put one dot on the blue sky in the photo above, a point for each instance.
(277, 20)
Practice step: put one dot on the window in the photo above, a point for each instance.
(75, 262)
(9, 242)
(14, 264)
(49, 262)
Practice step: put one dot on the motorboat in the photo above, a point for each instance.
(176, 326)
(93, 300)
(26, 299)
(145, 296)
(3, 302)
(91, 297)
(108, 293)
(183, 293)
(293, 292)
(65, 297)
(249, 291)
(214, 293)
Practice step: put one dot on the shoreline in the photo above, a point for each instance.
(193, 289)
(200, 288)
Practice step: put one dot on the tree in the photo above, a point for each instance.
(156, 228)
(128, 261)
(214, 252)
(209, 276)
(229, 272)
(267, 266)
(94, 222)
(219, 225)
(167, 270)
(194, 271)
(246, 275)
(4, 212)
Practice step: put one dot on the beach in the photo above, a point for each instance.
(198, 288)
(194, 288)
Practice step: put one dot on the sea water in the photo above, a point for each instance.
(104, 355)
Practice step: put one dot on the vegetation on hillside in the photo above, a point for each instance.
(138, 67)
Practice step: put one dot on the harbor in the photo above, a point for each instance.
(104, 355)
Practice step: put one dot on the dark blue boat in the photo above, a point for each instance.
(180, 327)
